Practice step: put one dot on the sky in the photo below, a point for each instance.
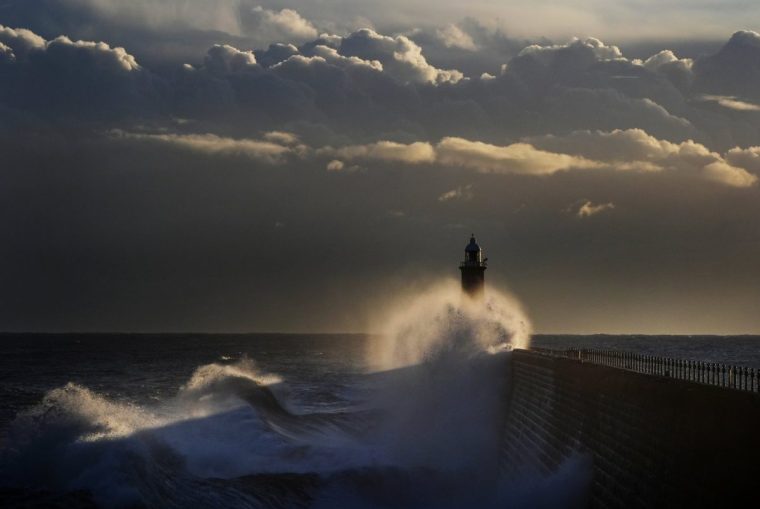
(236, 165)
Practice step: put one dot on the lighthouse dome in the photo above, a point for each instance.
(473, 246)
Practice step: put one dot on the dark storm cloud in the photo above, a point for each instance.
(368, 83)
(287, 179)
(65, 77)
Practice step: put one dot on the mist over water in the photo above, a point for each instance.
(417, 423)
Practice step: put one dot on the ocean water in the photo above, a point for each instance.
(408, 419)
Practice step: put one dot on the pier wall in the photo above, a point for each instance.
(649, 441)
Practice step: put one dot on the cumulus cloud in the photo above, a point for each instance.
(734, 70)
(400, 56)
(678, 70)
(98, 54)
(335, 165)
(285, 25)
(580, 52)
(748, 158)
(451, 36)
(364, 85)
(21, 41)
(332, 56)
(84, 78)
(223, 58)
(588, 209)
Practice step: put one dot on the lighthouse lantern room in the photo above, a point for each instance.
(473, 269)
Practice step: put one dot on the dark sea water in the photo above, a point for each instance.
(274, 420)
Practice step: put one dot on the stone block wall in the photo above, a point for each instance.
(651, 441)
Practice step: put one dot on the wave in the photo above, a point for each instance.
(427, 432)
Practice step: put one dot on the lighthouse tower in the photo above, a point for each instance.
(473, 269)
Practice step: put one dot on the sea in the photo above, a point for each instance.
(285, 420)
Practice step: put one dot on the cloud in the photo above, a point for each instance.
(6, 54)
(463, 193)
(260, 150)
(21, 41)
(81, 78)
(97, 54)
(223, 59)
(667, 58)
(335, 165)
(724, 173)
(678, 71)
(332, 56)
(515, 158)
(748, 158)
(399, 55)
(451, 36)
(578, 52)
(24, 43)
(520, 158)
(588, 209)
(635, 150)
(631, 150)
(285, 25)
(276, 53)
(730, 102)
(387, 151)
(281, 137)
(732, 71)
(366, 86)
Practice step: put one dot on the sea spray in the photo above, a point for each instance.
(443, 362)
(444, 319)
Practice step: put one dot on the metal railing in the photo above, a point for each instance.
(710, 373)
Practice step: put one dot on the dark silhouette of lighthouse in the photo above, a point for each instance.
(473, 270)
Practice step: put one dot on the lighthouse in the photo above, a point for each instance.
(473, 270)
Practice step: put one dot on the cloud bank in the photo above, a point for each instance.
(159, 155)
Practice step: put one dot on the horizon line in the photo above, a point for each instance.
(344, 333)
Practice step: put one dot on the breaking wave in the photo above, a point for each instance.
(426, 432)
